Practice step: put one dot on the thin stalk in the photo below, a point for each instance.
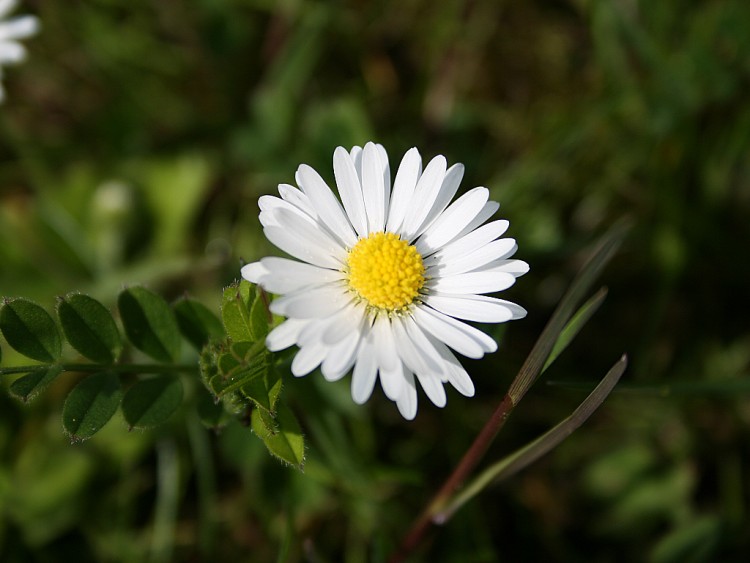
(523, 381)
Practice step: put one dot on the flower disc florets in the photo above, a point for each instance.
(385, 271)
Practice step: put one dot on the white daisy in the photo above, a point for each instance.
(11, 51)
(385, 275)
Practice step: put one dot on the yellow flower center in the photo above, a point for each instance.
(385, 271)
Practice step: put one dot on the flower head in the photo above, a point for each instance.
(11, 51)
(383, 276)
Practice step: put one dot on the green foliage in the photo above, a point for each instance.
(244, 312)
(28, 386)
(149, 323)
(150, 402)
(89, 327)
(136, 141)
(240, 372)
(281, 434)
(90, 405)
(30, 330)
(91, 330)
(197, 323)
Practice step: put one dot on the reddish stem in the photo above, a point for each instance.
(467, 464)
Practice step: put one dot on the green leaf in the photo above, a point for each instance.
(152, 401)
(532, 451)
(285, 440)
(89, 327)
(30, 385)
(149, 323)
(536, 359)
(244, 362)
(259, 315)
(30, 330)
(574, 326)
(235, 312)
(197, 323)
(264, 391)
(90, 405)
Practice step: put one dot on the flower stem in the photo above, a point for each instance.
(469, 461)
(527, 375)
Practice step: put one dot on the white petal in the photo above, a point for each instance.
(11, 52)
(285, 334)
(253, 272)
(304, 241)
(19, 28)
(425, 194)
(313, 331)
(456, 374)
(444, 196)
(472, 283)
(346, 321)
(281, 275)
(452, 221)
(7, 6)
(325, 204)
(356, 155)
(269, 205)
(373, 188)
(386, 173)
(407, 401)
(477, 308)
(297, 198)
(483, 307)
(403, 188)
(514, 267)
(385, 346)
(341, 357)
(469, 242)
(350, 190)
(311, 303)
(489, 209)
(464, 339)
(365, 370)
(496, 250)
(413, 347)
(392, 380)
(308, 358)
(433, 388)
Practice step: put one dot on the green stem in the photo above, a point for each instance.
(114, 368)
(527, 375)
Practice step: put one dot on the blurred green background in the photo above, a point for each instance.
(137, 138)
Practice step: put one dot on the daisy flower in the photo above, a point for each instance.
(383, 276)
(11, 51)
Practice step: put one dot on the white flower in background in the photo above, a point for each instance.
(11, 30)
(385, 275)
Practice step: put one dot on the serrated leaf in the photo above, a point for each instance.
(30, 330)
(149, 323)
(197, 323)
(89, 327)
(244, 362)
(152, 401)
(264, 391)
(259, 319)
(285, 441)
(90, 405)
(235, 314)
(27, 387)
